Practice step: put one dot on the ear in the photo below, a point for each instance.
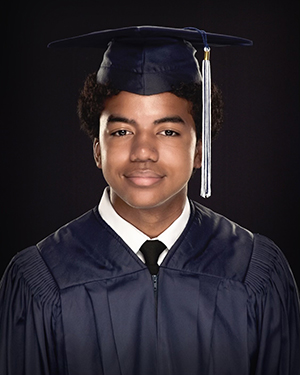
(97, 153)
(198, 155)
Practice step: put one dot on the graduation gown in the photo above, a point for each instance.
(82, 303)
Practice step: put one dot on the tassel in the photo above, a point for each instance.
(205, 191)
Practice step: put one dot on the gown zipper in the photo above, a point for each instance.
(155, 281)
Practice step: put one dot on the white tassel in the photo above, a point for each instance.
(206, 126)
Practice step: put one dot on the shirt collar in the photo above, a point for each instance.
(132, 236)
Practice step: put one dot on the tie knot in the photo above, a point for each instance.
(151, 251)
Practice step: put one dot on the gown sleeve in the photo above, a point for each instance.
(30, 318)
(273, 320)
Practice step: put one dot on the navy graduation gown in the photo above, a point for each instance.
(82, 303)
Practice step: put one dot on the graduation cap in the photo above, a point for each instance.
(149, 60)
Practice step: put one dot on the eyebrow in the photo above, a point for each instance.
(113, 118)
(125, 120)
(173, 119)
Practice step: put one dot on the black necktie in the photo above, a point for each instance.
(151, 251)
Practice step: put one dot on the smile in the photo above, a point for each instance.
(143, 178)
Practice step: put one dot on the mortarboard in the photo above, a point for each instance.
(149, 60)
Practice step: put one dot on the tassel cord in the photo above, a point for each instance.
(206, 130)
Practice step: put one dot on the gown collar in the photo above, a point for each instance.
(132, 236)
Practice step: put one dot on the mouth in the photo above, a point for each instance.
(144, 178)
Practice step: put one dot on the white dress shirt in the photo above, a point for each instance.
(132, 236)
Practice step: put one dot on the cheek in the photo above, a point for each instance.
(112, 157)
(180, 159)
(191, 153)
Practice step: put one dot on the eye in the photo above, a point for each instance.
(169, 133)
(121, 133)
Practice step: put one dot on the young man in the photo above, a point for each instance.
(149, 282)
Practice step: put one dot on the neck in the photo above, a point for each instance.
(151, 221)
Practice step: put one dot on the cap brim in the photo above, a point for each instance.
(134, 34)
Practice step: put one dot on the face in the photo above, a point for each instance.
(147, 149)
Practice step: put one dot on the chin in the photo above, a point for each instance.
(144, 203)
(147, 200)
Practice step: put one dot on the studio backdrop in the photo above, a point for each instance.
(48, 173)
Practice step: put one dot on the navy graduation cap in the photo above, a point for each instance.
(149, 60)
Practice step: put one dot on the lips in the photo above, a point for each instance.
(144, 178)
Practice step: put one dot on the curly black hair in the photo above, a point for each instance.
(93, 95)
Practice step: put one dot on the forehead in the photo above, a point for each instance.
(147, 105)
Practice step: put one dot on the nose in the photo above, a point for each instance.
(144, 148)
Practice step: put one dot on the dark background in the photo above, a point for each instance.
(48, 176)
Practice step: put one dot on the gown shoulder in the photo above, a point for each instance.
(30, 317)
